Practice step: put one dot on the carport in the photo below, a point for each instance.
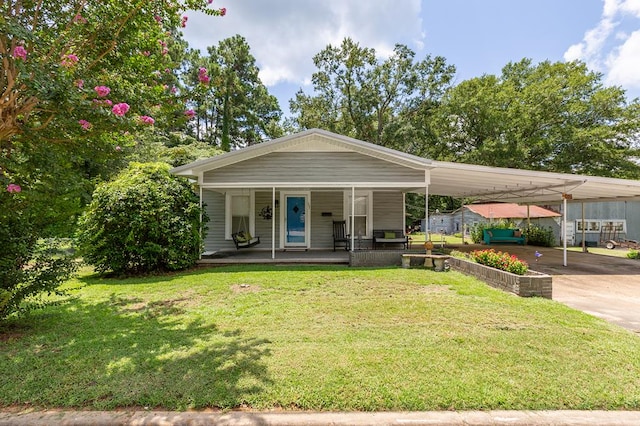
(485, 184)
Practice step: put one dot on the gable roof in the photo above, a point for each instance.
(312, 140)
(458, 180)
(510, 211)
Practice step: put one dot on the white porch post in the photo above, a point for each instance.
(353, 216)
(427, 181)
(273, 223)
(200, 230)
(564, 230)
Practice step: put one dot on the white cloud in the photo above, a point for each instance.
(623, 64)
(284, 35)
(614, 53)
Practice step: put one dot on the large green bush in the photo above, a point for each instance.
(538, 236)
(144, 220)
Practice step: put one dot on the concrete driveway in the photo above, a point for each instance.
(604, 286)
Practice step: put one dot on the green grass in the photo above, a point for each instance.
(317, 338)
(438, 239)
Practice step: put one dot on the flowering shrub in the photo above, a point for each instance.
(499, 260)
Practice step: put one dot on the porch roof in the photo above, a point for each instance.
(459, 180)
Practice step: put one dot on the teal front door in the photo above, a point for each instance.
(296, 221)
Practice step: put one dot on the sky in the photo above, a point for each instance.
(477, 36)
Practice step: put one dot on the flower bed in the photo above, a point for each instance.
(500, 260)
(528, 285)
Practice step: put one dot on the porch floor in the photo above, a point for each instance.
(261, 256)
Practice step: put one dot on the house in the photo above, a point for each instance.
(289, 191)
(472, 214)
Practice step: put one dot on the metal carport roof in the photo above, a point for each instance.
(482, 183)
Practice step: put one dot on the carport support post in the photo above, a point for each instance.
(427, 233)
(584, 244)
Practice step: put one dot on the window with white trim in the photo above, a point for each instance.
(239, 212)
(363, 222)
(606, 225)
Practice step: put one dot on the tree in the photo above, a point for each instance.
(554, 117)
(386, 102)
(79, 79)
(233, 107)
(144, 220)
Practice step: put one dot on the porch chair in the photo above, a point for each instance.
(340, 235)
(244, 240)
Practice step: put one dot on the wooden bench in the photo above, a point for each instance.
(383, 238)
(437, 261)
(497, 235)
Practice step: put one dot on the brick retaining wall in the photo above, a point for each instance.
(533, 284)
(375, 258)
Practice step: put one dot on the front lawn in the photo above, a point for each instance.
(317, 338)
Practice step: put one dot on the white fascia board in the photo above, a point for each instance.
(340, 185)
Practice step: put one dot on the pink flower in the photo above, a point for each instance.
(12, 187)
(202, 76)
(120, 109)
(223, 11)
(174, 90)
(146, 53)
(183, 23)
(165, 50)
(209, 1)
(69, 60)
(158, 18)
(147, 120)
(118, 148)
(84, 124)
(79, 83)
(189, 113)
(19, 52)
(79, 19)
(102, 91)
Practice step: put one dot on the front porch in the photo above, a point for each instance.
(327, 257)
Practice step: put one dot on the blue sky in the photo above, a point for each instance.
(478, 37)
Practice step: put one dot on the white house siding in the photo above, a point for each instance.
(214, 239)
(388, 210)
(322, 226)
(325, 207)
(313, 167)
(263, 226)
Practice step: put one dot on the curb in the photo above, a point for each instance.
(237, 418)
